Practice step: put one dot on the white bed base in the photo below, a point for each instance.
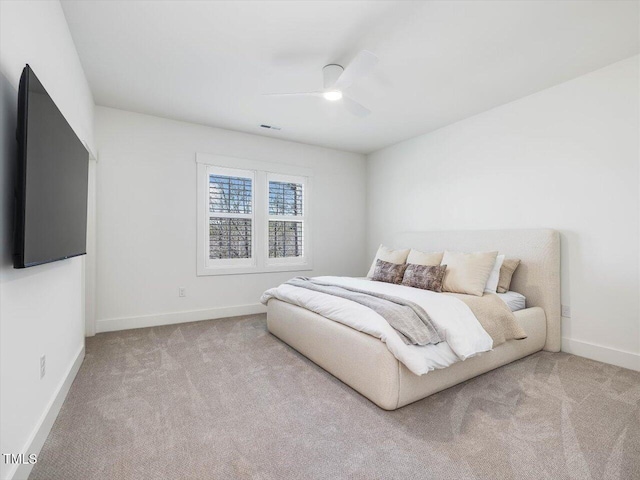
(364, 362)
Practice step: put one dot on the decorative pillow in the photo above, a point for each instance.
(388, 255)
(492, 283)
(388, 272)
(467, 272)
(506, 274)
(426, 277)
(420, 258)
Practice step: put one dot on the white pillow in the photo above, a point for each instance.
(387, 255)
(467, 272)
(421, 258)
(494, 278)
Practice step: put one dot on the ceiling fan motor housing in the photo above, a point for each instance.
(330, 74)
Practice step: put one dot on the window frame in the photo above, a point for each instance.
(262, 173)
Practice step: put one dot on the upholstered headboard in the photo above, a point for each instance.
(537, 277)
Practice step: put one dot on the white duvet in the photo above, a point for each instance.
(464, 336)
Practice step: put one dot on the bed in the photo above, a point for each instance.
(364, 362)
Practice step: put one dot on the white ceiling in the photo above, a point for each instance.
(440, 61)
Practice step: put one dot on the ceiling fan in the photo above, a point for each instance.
(337, 79)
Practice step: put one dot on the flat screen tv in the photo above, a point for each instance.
(51, 188)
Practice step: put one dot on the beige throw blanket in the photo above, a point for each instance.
(494, 316)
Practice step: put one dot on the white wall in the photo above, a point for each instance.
(564, 158)
(146, 218)
(41, 308)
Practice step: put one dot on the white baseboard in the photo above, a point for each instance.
(43, 427)
(126, 323)
(609, 355)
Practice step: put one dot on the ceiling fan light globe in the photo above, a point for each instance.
(333, 95)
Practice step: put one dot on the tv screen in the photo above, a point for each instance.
(53, 169)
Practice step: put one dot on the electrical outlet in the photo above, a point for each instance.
(182, 292)
(43, 365)
(566, 311)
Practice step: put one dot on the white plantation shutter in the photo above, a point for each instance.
(286, 217)
(231, 216)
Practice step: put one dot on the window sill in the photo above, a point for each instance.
(244, 270)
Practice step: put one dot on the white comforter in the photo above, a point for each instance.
(464, 336)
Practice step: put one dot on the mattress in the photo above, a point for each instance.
(514, 300)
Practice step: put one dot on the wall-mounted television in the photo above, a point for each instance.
(51, 188)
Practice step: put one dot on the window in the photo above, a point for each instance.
(230, 215)
(251, 219)
(286, 217)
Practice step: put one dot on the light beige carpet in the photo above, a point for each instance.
(224, 399)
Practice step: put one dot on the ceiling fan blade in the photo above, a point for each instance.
(359, 67)
(299, 94)
(354, 107)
